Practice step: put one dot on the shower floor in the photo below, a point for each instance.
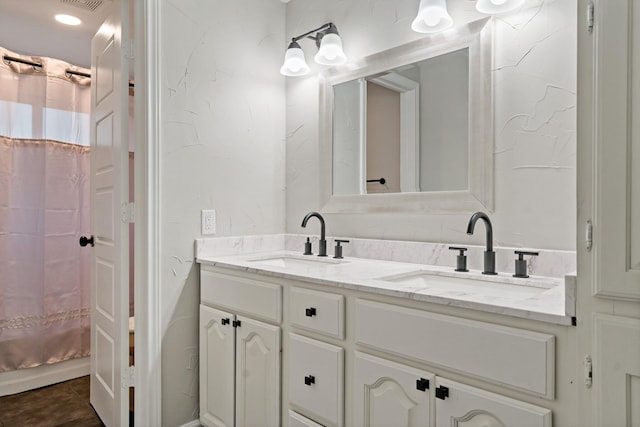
(63, 404)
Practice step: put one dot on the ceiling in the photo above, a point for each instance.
(28, 27)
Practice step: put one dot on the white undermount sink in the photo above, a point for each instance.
(432, 282)
(287, 261)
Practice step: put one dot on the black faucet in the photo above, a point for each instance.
(489, 254)
(322, 250)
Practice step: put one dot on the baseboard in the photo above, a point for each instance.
(194, 423)
(13, 382)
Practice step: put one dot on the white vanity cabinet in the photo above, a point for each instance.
(240, 357)
(354, 361)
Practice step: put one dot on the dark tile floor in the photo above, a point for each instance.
(64, 404)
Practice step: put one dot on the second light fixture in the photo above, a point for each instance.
(329, 51)
(433, 15)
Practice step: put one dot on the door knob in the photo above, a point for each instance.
(84, 241)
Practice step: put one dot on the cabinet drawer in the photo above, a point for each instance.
(317, 311)
(297, 420)
(258, 299)
(516, 358)
(316, 372)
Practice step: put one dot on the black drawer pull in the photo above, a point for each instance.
(225, 321)
(310, 379)
(310, 312)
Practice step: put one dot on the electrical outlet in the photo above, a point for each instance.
(208, 221)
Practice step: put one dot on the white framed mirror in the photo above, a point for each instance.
(410, 129)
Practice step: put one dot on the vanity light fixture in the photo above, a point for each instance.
(493, 7)
(432, 17)
(329, 51)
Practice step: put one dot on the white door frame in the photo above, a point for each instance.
(147, 297)
(409, 91)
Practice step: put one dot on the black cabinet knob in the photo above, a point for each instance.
(309, 379)
(84, 241)
(310, 312)
(442, 392)
(225, 321)
(422, 384)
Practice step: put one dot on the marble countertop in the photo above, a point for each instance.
(545, 299)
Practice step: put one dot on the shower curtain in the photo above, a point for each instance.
(44, 209)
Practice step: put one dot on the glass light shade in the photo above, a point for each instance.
(493, 7)
(294, 62)
(432, 17)
(330, 52)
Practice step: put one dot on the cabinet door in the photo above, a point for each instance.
(388, 394)
(463, 406)
(257, 374)
(616, 374)
(217, 360)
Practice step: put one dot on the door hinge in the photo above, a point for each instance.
(588, 371)
(128, 377)
(128, 212)
(588, 238)
(590, 17)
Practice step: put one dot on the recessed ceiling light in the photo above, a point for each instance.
(68, 20)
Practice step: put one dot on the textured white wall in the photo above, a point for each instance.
(535, 126)
(222, 147)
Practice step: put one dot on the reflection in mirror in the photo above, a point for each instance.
(414, 121)
(413, 124)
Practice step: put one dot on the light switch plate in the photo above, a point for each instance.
(208, 221)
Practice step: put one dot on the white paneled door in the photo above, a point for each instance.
(608, 305)
(109, 204)
(617, 151)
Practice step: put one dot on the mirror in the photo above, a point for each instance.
(411, 128)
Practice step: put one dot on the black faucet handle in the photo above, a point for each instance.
(461, 259)
(521, 263)
(338, 248)
(307, 247)
(458, 248)
(522, 253)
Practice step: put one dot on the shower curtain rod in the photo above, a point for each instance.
(8, 59)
